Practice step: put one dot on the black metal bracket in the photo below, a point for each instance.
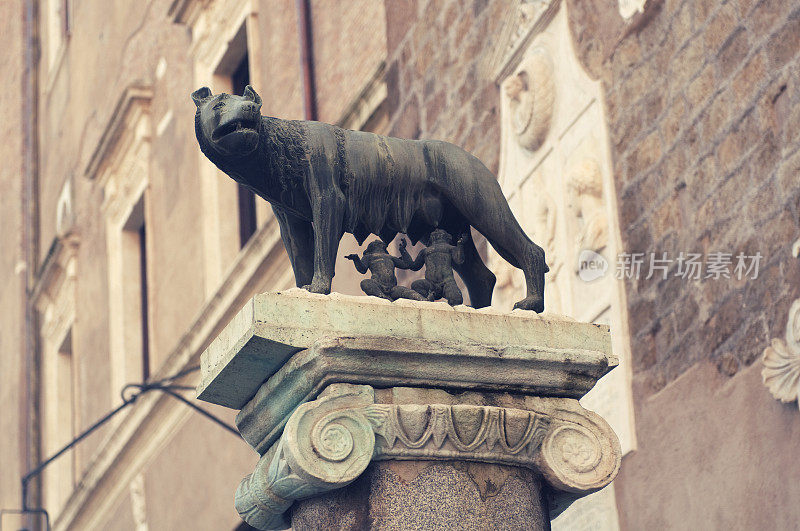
(165, 385)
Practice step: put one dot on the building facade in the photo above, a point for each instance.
(628, 136)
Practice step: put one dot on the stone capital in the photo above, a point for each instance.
(327, 443)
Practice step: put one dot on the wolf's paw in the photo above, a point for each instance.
(318, 287)
(533, 302)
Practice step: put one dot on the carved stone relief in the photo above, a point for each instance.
(122, 128)
(586, 194)
(781, 372)
(65, 213)
(628, 8)
(531, 96)
(523, 22)
(538, 214)
(122, 166)
(557, 188)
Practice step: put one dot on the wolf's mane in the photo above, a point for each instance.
(283, 145)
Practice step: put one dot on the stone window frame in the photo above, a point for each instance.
(237, 51)
(54, 300)
(120, 165)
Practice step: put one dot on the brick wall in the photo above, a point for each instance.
(435, 86)
(701, 97)
(12, 261)
(702, 102)
(349, 44)
(703, 107)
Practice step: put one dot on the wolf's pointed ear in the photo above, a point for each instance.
(252, 95)
(200, 95)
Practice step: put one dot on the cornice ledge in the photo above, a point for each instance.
(136, 94)
(185, 11)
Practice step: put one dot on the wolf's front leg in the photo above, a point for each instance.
(328, 217)
(298, 239)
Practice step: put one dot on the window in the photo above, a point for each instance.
(233, 75)
(121, 167)
(65, 405)
(59, 417)
(135, 295)
(247, 199)
(228, 53)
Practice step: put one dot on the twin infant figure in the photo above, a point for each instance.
(438, 259)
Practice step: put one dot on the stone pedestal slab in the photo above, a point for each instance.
(331, 388)
(272, 327)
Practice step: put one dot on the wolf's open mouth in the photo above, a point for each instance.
(231, 127)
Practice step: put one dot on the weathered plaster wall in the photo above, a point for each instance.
(714, 454)
(167, 475)
(12, 259)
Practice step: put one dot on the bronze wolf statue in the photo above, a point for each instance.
(323, 181)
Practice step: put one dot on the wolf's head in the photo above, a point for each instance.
(226, 123)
